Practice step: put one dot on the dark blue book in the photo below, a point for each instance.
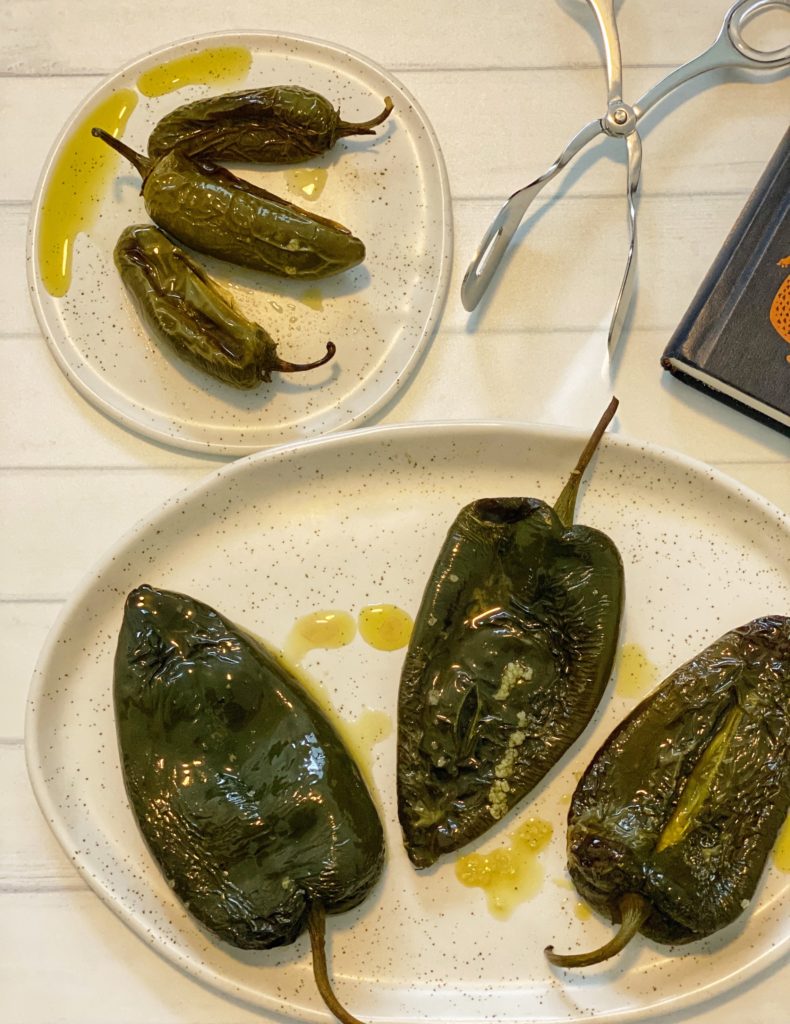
(734, 340)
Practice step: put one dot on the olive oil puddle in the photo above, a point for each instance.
(306, 182)
(636, 674)
(510, 875)
(312, 298)
(582, 911)
(781, 851)
(84, 169)
(82, 172)
(385, 626)
(321, 630)
(214, 66)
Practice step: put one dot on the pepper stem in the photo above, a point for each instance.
(364, 127)
(283, 366)
(143, 164)
(634, 911)
(565, 505)
(316, 922)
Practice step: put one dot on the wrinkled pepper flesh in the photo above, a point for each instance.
(511, 651)
(255, 812)
(214, 212)
(188, 312)
(671, 824)
(280, 124)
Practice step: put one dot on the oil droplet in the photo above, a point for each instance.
(512, 874)
(208, 67)
(275, 305)
(78, 178)
(324, 630)
(582, 911)
(564, 883)
(307, 182)
(362, 735)
(781, 850)
(635, 673)
(385, 626)
(312, 298)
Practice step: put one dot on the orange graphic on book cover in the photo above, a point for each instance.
(780, 307)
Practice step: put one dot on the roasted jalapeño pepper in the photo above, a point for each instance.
(249, 802)
(671, 824)
(281, 124)
(187, 311)
(510, 654)
(214, 212)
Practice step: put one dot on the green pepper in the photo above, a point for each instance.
(510, 654)
(186, 310)
(248, 800)
(280, 124)
(214, 212)
(671, 824)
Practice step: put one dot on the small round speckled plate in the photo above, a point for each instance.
(356, 519)
(390, 189)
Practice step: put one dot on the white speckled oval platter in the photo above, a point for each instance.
(390, 189)
(355, 519)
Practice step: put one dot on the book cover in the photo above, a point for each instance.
(734, 340)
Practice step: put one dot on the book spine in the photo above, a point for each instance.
(720, 396)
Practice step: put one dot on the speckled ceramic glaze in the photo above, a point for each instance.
(356, 519)
(390, 189)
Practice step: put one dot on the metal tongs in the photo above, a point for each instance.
(621, 121)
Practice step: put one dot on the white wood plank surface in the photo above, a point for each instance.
(505, 85)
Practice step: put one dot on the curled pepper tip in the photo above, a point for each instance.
(365, 127)
(283, 366)
(634, 911)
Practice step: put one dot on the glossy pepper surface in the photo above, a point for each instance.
(281, 124)
(671, 824)
(216, 213)
(248, 800)
(186, 310)
(511, 650)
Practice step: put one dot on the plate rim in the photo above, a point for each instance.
(430, 323)
(364, 437)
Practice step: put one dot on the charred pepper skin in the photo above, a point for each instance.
(280, 124)
(214, 212)
(188, 312)
(244, 792)
(511, 651)
(681, 805)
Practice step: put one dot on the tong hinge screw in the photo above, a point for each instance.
(620, 116)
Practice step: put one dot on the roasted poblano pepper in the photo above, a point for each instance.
(248, 800)
(211, 210)
(281, 124)
(510, 654)
(671, 824)
(185, 309)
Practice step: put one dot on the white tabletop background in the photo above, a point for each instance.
(505, 84)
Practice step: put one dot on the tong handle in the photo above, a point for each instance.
(728, 50)
(496, 240)
(604, 14)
